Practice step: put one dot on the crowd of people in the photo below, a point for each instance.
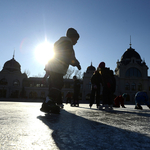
(105, 77)
(57, 67)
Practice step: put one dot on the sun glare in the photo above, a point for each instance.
(44, 52)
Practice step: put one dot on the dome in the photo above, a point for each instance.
(11, 65)
(130, 52)
(90, 68)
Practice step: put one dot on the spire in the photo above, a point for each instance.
(91, 63)
(130, 41)
(14, 54)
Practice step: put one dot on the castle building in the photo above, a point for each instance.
(11, 79)
(87, 83)
(130, 73)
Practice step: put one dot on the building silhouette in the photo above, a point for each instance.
(130, 73)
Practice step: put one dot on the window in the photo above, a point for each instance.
(42, 95)
(133, 87)
(127, 87)
(133, 72)
(89, 85)
(38, 85)
(139, 87)
(16, 83)
(3, 81)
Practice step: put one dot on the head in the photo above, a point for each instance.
(73, 35)
(74, 77)
(124, 95)
(102, 65)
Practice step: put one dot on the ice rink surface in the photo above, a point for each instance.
(24, 127)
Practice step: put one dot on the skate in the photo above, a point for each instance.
(54, 109)
(138, 107)
(50, 107)
(106, 107)
(123, 107)
(90, 105)
(100, 107)
(110, 107)
(77, 105)
(72, 104)
(60, 105)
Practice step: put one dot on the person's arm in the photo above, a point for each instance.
(74, 61)
(46, 75)
(68, 55)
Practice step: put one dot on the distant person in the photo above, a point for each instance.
(68, 97)
(57, 67)
(95, 91)
(119, 100)
(109, 86)
(76, 93)
(141, 97)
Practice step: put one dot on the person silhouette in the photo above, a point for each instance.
(57, 67)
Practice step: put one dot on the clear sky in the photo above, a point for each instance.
(104, 26)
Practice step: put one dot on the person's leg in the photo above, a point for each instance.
(77, 98)
(146, 103)
(105, 97)
(55, 86)
(98, 96)
(122, 103)
(69, 100)
(138, 103)
(116, 102)
(54, 96)
(110, 99)
(74, 99)
(59, 101)
(92, 97)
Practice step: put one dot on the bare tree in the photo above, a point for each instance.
(69, 73)
(39, 75)
(73, 71)
(79, 74)
(27, 72)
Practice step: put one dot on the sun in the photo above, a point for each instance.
(44, 52)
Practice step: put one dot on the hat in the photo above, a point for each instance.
(124, 95)
(74, 77)
(71, 32)
(102, 65)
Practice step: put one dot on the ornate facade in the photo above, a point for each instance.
(130, 73)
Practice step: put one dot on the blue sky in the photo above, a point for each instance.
(104, 26)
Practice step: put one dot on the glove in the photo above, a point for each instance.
(79, 67)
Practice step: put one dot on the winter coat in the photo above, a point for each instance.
(96, 78)
(108, 79)
(142, 96)
(64, 56)
(77, 86)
